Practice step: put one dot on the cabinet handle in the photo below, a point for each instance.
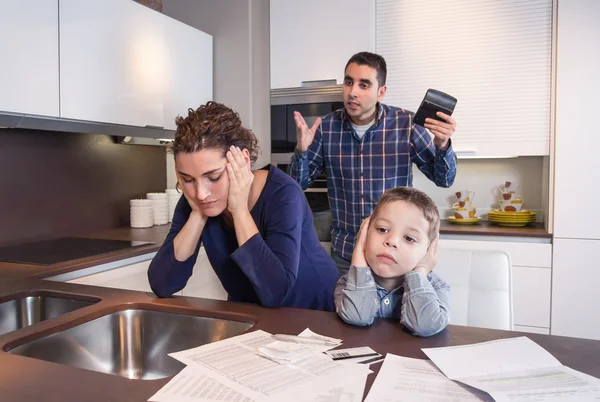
(154, 127)
(318, 83)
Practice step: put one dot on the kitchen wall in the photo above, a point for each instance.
(58, 184)
(484, 176)
(240, 30)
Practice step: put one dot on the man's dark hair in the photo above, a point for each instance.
(372, 60)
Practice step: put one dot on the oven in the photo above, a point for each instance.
(313, 100)
(318, 201)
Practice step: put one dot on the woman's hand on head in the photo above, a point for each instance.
(359, 258)
(240, 180)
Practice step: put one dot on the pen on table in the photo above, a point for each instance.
(302, 339)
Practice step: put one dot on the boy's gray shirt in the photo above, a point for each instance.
(422, 304)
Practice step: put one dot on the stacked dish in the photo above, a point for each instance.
(510, 218)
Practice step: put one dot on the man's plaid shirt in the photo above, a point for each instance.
(359, 171)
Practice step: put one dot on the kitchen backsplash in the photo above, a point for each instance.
(484, 176)
(57, 184)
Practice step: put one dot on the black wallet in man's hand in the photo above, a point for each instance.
(434, 101)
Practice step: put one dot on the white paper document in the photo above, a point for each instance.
(402, 379)
(192, 385)
(350, 392)
(515, 370)
(307, 333)
(236, 366)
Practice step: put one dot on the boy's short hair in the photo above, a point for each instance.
(416, 198)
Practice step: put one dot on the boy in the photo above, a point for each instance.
(390, 274)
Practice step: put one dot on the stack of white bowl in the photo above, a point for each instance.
(160, 206)
(174, 196)
(141, 213)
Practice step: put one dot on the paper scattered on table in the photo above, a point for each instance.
(402, 379)
(349, 392)
(287, 352)
(515, 370)
(307, 333)
(236, 366)
(192, 385)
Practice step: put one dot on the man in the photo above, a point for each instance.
(367, 148)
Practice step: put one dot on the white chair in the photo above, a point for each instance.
(481, 287)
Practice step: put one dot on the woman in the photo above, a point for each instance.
(256, 226)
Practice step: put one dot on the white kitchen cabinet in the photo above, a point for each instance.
(531, 296)
(29, 49)
(531, 263)
(312, 40)
(189, 77)
(204, 282)
(576, 190)
(461, 47)
(132, 277)
(533, 330)
(112, 62)
(575, 281)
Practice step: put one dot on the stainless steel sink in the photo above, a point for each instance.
(27, 310)
(131, 343)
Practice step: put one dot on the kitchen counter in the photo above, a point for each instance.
(154, 234)
(490, 229)
(157, 235)
(27, 380)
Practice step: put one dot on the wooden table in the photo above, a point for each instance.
(23, 379)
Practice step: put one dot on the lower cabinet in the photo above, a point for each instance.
(204, 282)
(134, 276)
(532, 275)
(576, 281)
(131, 277)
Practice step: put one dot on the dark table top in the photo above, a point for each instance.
(24, 379)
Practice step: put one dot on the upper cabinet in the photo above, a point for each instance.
(112, 62)
(312, 40)
(124, 63)
(29, 51)
(189, 81)
(576, 164)
(495, 57)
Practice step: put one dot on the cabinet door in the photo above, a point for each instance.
(29, 49)
(131, 277)
(112, 62)
(313, 40)
(531, 263)
(531, 296)
(204, 282)
(575, 280)
(576, 190)
(189, 80)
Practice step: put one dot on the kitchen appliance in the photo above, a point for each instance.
(311, 101)
(55, 251)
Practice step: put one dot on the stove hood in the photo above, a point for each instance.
(49, 123)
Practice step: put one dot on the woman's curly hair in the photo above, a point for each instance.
(213, 126)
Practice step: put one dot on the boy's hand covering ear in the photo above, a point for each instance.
(358, 256)
(426, 265)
